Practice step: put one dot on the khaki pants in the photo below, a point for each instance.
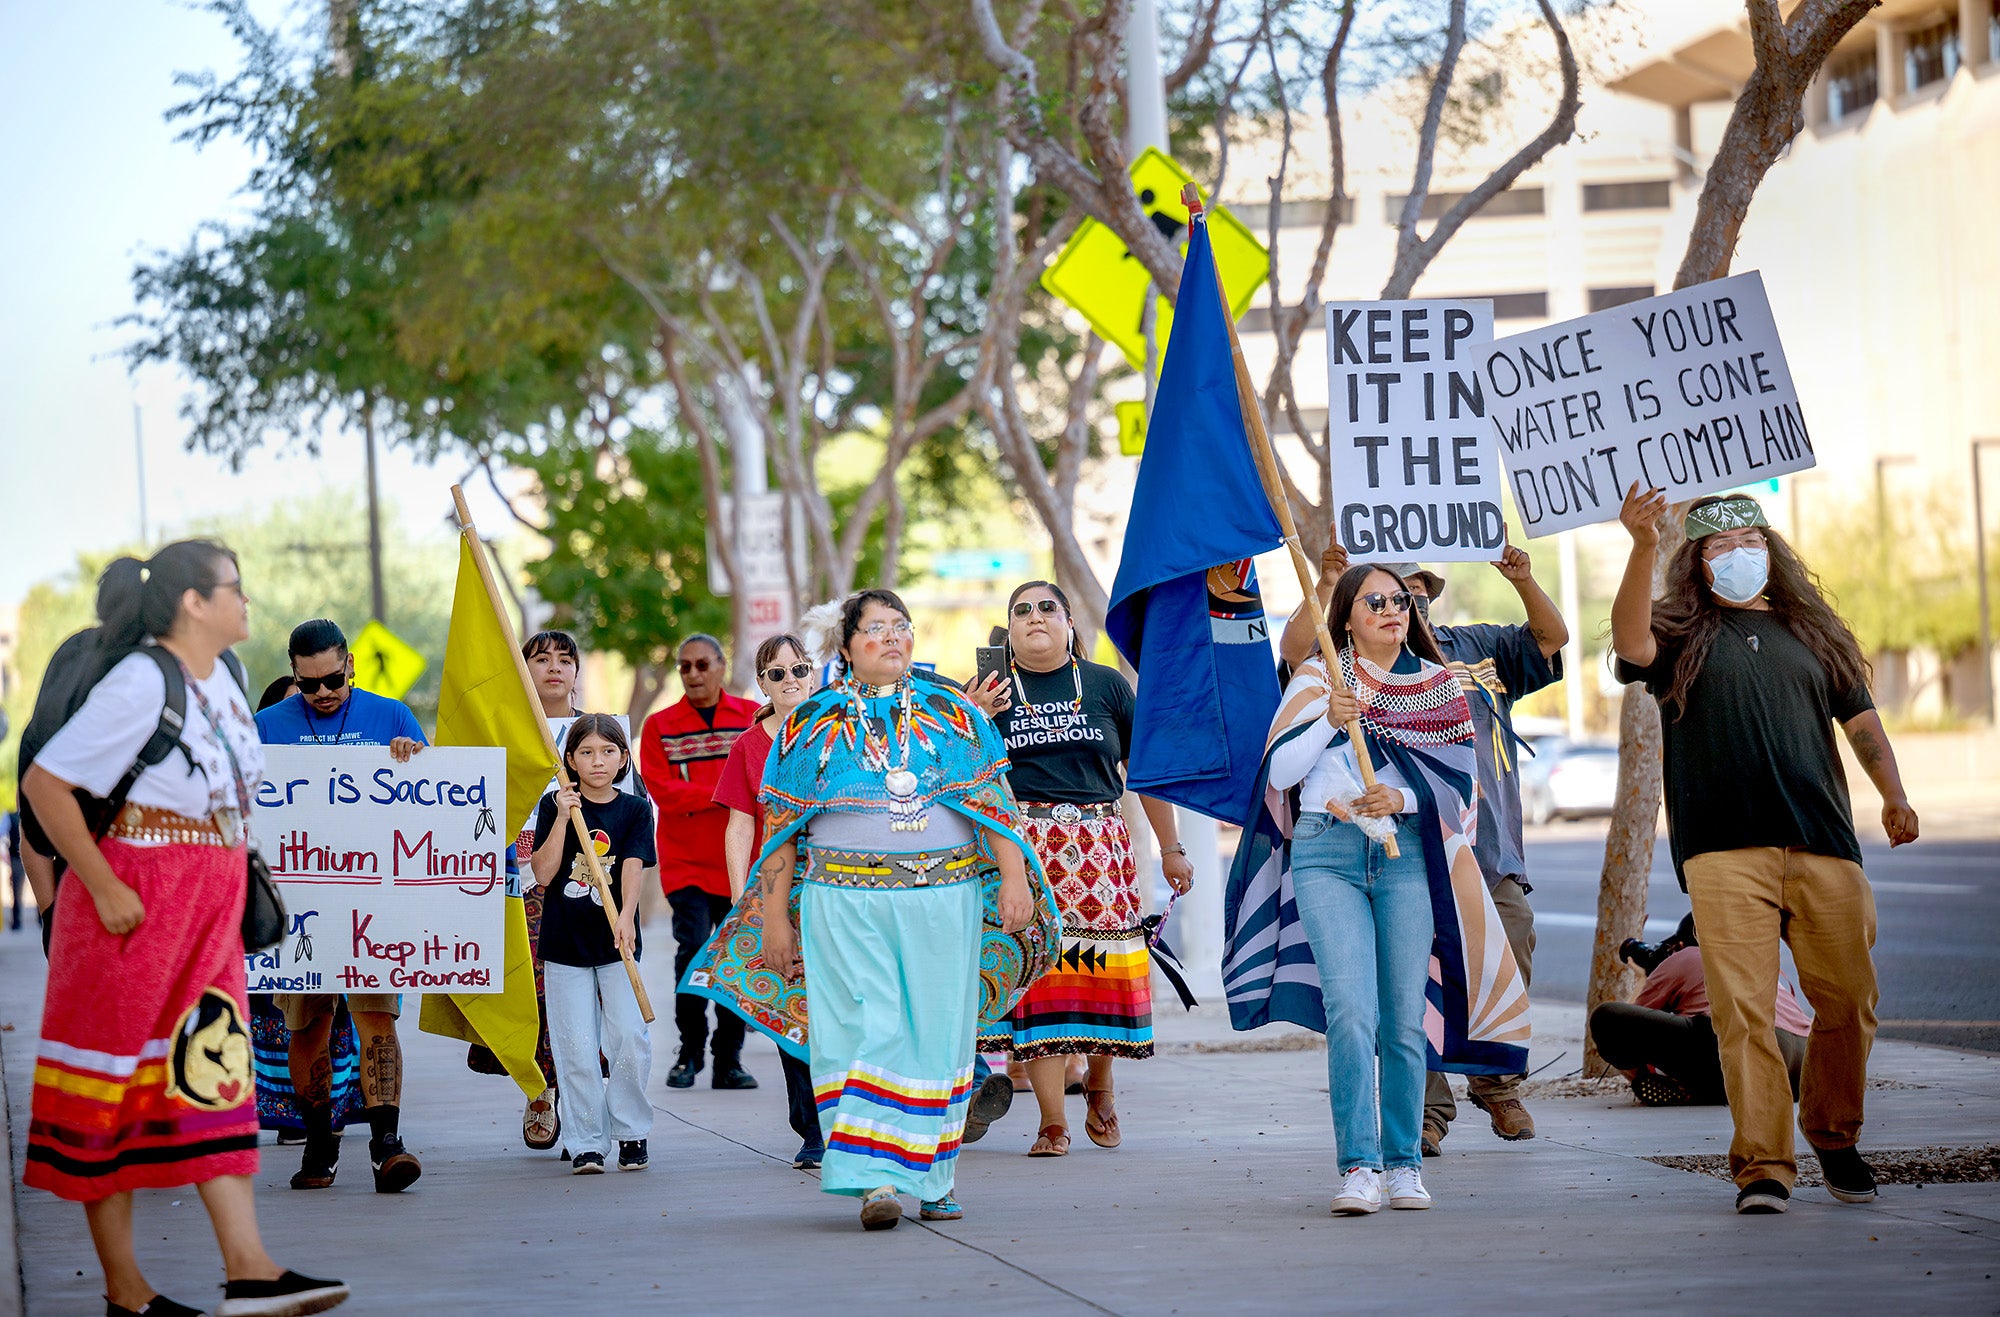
(1744, 903)
(1518, 918)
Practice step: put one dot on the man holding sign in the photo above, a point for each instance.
(328, 710)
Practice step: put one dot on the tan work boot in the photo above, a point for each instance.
(1510, 1119)
(1433, 1138)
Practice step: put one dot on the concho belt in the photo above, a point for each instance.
(1065, 813)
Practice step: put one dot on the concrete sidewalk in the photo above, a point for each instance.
(1216, 1202)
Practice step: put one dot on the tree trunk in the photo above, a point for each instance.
(648, 680)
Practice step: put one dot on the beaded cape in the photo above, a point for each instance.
(818, 764)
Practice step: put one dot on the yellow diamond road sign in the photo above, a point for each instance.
(1131, 428)
(384, 662)
(1096, 274)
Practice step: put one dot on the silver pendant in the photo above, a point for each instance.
(902, 783)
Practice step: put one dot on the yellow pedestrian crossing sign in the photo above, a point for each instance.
(1097, 275)
(1131, 428)
(384, 662)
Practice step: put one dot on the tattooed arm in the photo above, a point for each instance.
(774, 887)
(1871, 746)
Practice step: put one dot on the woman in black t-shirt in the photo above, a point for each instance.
(1752, 667)
(1067, 723)
(591, 1006)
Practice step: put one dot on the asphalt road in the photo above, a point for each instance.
(1937, 948)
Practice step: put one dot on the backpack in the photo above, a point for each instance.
(82, 661)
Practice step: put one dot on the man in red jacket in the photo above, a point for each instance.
(682, 749)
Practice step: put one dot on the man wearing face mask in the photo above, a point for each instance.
(1495, 665)
(1752, 667)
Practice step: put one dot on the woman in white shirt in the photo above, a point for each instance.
(1368, 917)
(143, 1075)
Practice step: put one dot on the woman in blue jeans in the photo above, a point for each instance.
(1370, 919)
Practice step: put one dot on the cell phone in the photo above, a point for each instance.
(992, 662)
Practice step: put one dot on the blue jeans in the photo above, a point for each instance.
(1368, 918)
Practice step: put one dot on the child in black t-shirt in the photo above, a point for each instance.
(591, 1006)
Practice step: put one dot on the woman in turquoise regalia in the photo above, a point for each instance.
(885, 800)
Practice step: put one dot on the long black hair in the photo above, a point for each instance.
(1419, 639)
(1075, 641)
(1687, 616)
(137, 600)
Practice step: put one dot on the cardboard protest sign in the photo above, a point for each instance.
(394, 875)
(1687, 392)
(1415, 474)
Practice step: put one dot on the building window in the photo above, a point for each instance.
(1930, 53)
(1653, 194)
(1514, 201)
(1851, 85)
(1515, 306)
(1603, 299)
(1307, 214)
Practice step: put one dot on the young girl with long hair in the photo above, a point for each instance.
(591, 1006)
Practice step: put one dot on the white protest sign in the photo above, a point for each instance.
(394, 875)
(1687, 392)
(1415, 474)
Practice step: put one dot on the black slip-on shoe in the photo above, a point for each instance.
(290, 1295)
(158, 1306)
(1763, 1197)
(1848, 1177)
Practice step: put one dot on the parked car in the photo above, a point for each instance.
(1568, 779)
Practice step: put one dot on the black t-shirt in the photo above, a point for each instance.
(1063, 753)
(574, 930)
(1752, 762)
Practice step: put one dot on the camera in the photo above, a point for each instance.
(1646, 955)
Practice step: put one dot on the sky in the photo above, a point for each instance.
(95, 181)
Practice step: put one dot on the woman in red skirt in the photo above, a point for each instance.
(1068, 726)
(143, 1077)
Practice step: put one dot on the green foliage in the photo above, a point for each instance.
(1903, 579)
(626, 557)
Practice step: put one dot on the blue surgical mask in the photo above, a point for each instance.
(1740, 575)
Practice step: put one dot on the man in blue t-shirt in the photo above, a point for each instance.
(328, 710)
(1496, 665)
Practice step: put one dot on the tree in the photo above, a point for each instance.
(1769, 113)
(1069, 136)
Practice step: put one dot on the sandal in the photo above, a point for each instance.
(880, 1209)
(1100, 1122)
(540, 1123)
(941, 1209)
(1052, 1141)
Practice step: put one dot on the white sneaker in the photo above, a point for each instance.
(1406, 1190)
(1360, 1193)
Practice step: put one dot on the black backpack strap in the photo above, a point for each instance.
(166, 737)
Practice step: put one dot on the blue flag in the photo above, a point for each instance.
(1185, 610)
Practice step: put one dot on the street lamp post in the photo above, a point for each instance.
(1985, 605)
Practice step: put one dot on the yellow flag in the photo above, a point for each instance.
(484, 701)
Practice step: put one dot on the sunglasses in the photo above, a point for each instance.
(1028, 607)
(798, 670)
(1379, 603)
(311, 685)
(694, 665)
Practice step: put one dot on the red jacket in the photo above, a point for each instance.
(680, 759)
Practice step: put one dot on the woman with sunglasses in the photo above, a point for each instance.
(1372, 920)
(1067, 724)
(682, 749)
(786, 677)
(921, 912)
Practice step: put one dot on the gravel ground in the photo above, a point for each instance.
(1943, 1165)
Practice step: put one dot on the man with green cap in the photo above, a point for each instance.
(1496, 665)
(1752, 668)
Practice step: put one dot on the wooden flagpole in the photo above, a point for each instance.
(1274, 491)
(598, 878)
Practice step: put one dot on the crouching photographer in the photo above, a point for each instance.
(1663, 1040)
